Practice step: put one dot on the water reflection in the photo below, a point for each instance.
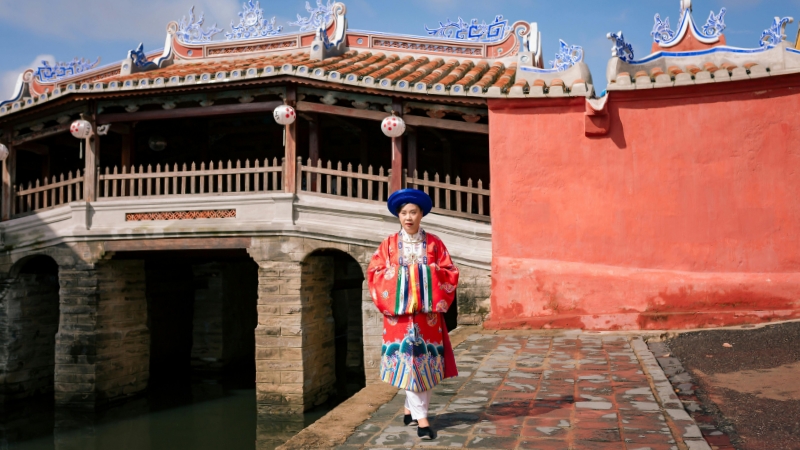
(208, 414)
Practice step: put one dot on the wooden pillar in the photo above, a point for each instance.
(313, 139)
(9, 176)
(290, 149)
(313, 146)
(91, 156)
(128, 148)
(396, 183)
(411, 151)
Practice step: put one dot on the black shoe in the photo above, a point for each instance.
(426, 433)
(409, 421)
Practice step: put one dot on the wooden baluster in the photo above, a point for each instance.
(275, 186)
(202, 178)
(480, 198)
(174, 189)
(69, 187)
(183, 179)
(318, 186)
(328, 179)
(236, 175)
(447, 193)
(36, 196)
(105, 184)
(81, 176)
(139, 180)
(192, 180)
(458, 194)
(436, 202)
(219, 177)
(113, 183)
(247, 175)
(369, 183)
(349, 180)
(469, 196)
(309, 187)
(125, 184)
(44, 193)
(61, 189)
(359, 182)
(338, 179)
(228, 176)
(425, 185)
(149, 187)
(380, 184)
(158, 179)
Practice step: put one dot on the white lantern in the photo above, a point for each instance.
(3, 152)
(285, 115)
(81, 129)
(393, 126)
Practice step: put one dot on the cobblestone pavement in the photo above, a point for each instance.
(568, 391)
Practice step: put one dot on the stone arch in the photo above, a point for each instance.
(29, 314)
(331, 284)
(283, 310)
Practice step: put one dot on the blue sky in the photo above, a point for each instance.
(31, 30)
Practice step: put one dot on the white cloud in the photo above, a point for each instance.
(8, 79)
(111, 19)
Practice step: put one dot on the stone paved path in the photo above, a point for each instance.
(569, 391)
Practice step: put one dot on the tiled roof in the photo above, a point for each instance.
(419, 74)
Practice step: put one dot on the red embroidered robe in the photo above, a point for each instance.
(413, 298)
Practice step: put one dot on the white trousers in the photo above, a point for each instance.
(417, 403)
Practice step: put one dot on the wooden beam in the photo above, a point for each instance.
(218, 110)
(50, 131)
(341, 111)
(290, 149)
(39, 149)
(9, 177)
(444, 124)
(420, 121)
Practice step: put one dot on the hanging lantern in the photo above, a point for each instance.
(285, 115)
(157, 143)
(393, 126)
(3, 152)
(81, 129)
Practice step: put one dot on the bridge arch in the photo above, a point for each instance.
(29, 313)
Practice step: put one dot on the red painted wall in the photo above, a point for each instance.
(685, 215)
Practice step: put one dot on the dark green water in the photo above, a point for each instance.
(202, 415)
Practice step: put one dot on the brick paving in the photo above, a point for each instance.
(546, 392)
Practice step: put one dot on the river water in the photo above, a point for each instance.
(204, 414)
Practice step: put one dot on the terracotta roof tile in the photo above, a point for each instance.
(376, 67)
(506, 80)
(440, 72)
(473, 75)
(410, 67)
(423, 71)
(393, 67)
(457, 73)
(491, 75)
(373, 59)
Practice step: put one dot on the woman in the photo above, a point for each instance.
(412, 281)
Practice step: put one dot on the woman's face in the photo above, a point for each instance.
(410, 218)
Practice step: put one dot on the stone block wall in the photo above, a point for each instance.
(207, 321)
(474, 295)
(319, 351)
(103, 344)
(123, 340)
(224, 313)
(28, 326)
(295, 332)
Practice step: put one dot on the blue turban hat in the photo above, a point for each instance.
(413, 196)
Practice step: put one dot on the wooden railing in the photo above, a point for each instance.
(48, 194)
(452, 198)
(356, 185)
(183, 180)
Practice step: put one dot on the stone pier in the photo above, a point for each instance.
(103, 344)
